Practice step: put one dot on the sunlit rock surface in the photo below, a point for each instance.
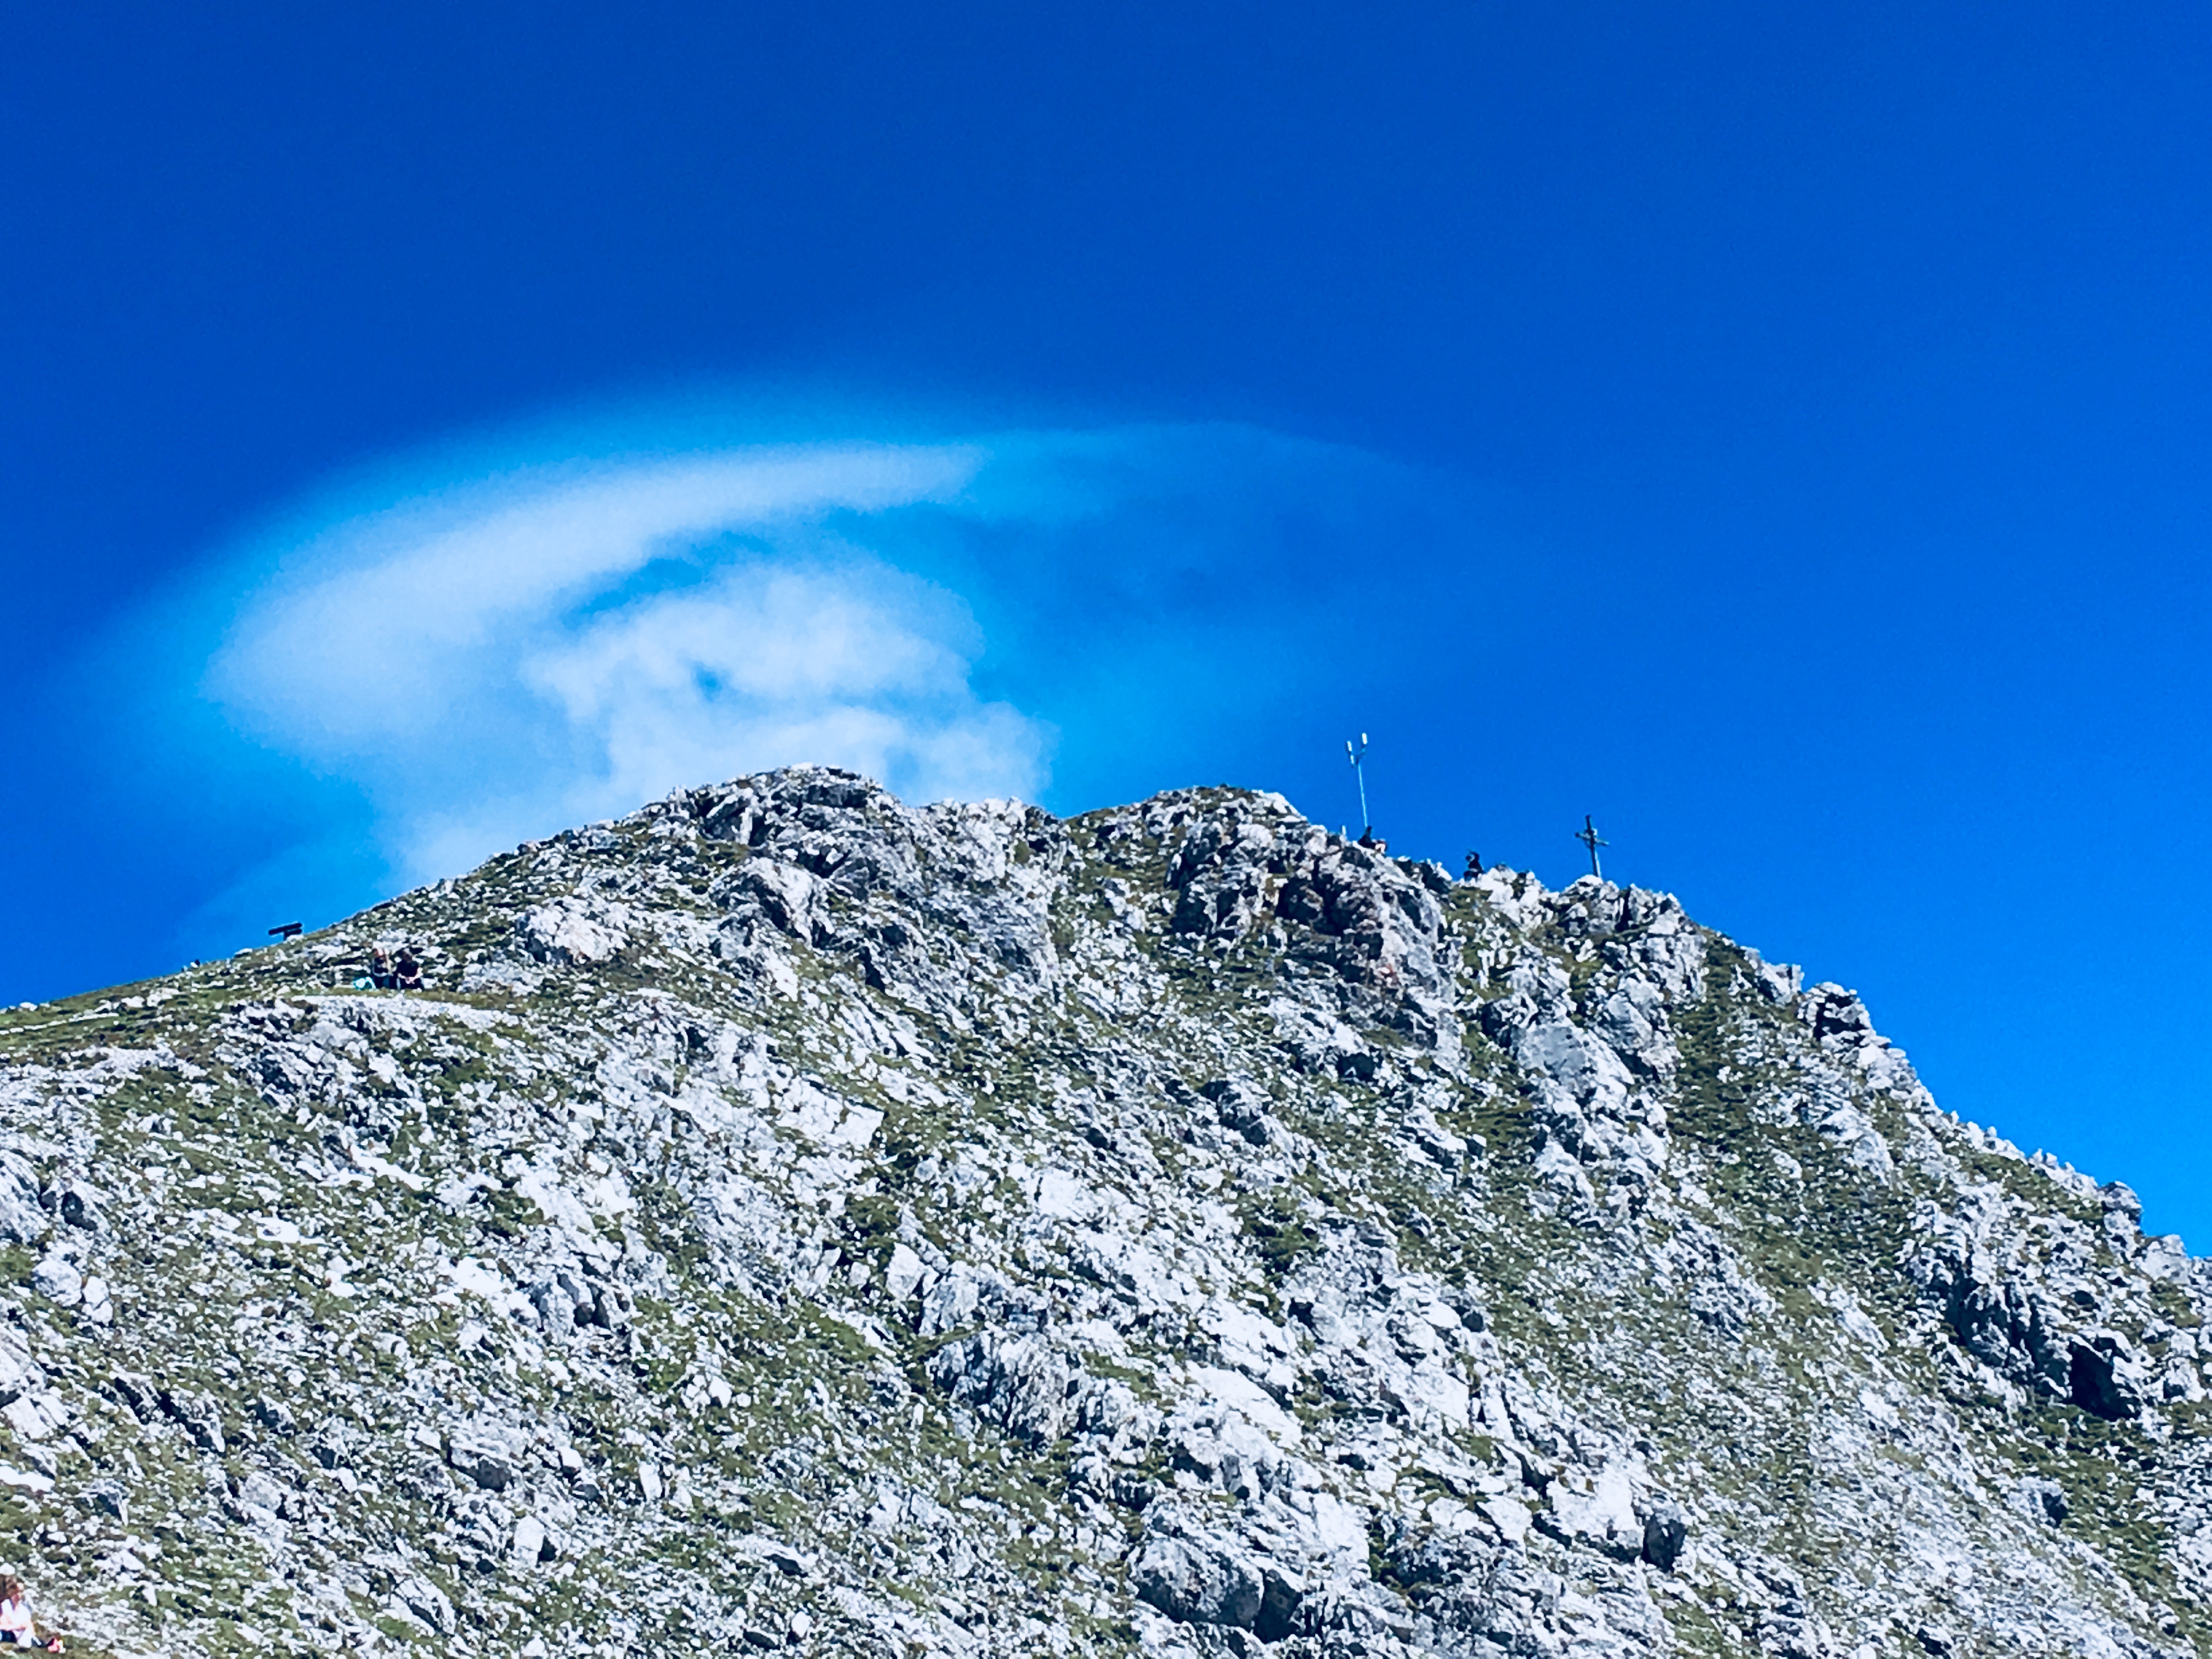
(788, 1220)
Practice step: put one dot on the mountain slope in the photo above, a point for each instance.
(788, 1218)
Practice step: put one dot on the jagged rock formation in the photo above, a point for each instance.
(791, 1220)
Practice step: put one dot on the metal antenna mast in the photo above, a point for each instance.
(1357, 756)
(1589, 836)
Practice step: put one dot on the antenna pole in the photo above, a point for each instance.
(1357, 756)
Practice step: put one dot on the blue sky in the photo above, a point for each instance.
(1782, 434)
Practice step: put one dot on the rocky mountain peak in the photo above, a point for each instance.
(789, 1219)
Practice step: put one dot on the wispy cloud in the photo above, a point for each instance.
(493, 659)
(464, 651)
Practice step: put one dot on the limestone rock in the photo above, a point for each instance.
(1198, 1582)
(576, 932)
(788, 1219)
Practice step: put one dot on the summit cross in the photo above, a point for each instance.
(1589, 836)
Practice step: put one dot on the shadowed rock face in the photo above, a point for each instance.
(789, 1219)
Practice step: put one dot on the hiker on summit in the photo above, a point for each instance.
(17, 1628)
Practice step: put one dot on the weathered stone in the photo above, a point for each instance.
(788, 1219)
(199, 1414)
(427, 1603)
(23, 1219)
(1198, 1583)
(578, 933)
(56, 1278)
(1665, 1531)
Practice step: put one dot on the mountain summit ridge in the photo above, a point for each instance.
(788, 1219)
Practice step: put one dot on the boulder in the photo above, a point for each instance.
(1199, 1582)
(424, 1602)
(1666, 1531)
(23, 1219)
(485, 1464)
(1021, 1383)
(198, 1415)
(575, 932)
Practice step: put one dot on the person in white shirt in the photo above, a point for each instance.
(16, 1629)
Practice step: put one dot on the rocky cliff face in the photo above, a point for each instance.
(790, 1220)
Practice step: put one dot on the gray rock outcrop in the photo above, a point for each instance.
(790, 1220)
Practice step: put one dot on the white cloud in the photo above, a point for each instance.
(497, 660)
